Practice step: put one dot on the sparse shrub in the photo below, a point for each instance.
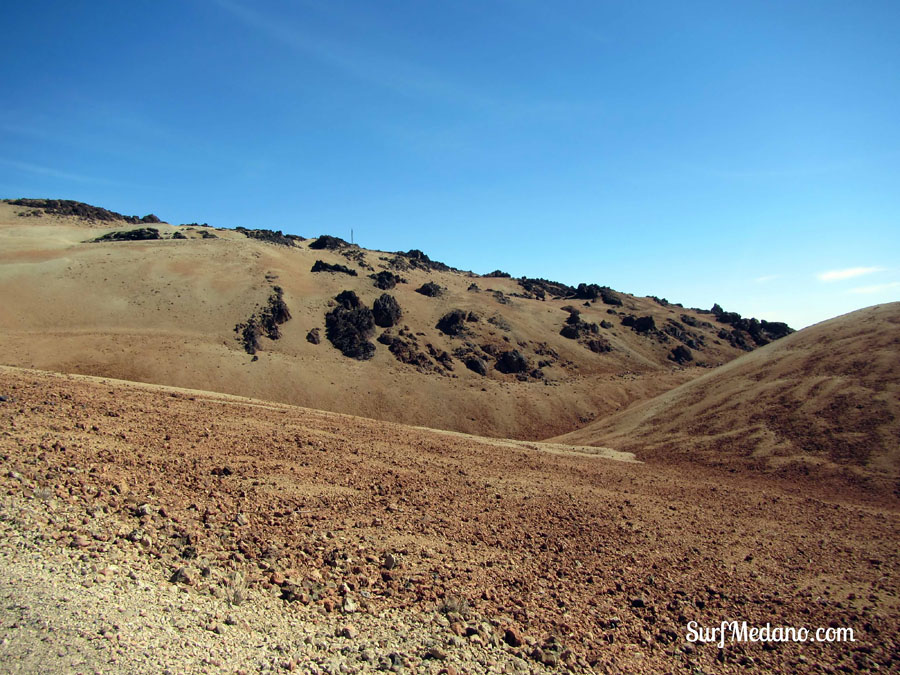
(453, 604)
(236, 588)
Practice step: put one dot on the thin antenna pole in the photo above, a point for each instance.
(351, 235)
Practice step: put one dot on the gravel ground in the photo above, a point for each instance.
(115, 609)
(145, 529)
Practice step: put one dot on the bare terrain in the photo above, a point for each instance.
(533, 558)
(165, 311)
(821, 404)
(240, 464)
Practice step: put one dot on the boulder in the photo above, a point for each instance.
(349, 325)
(322, 266)
(349, 300)
(386, 311)
(512, 362)
(476, 365)
(453, 323)
(327, 242)
(681, 354)
(430, 289)
(385, 280)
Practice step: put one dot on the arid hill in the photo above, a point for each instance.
(328, 325)
(825, 400)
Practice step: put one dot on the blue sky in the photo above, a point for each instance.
(745, 153)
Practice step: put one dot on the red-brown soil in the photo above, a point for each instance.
(608, 559)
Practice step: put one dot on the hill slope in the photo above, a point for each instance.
(825, 399)
(93, 292)
(493, 552)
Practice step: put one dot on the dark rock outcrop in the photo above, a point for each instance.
(598, 345)
(386, 280)
(274, 314)
(140, 234)
(639, 324)
(746, 330)
(497, 274)
(322, 266)
(430, 289)
(348, 300)
(68, 207)
(270, 236)
(249, 334)
(593, 292)
(349, 326)
(677, 330)
(313, 336)
(416, 259)
(386, 311)
(405, 348)
(266, 321)
(511, 362)
(476, 365)
(327, 242)
(539, 288)
(453, 323)
(681, 354)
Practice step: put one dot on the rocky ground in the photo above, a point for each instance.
(145, 529)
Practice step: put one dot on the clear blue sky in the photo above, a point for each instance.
(731, 152)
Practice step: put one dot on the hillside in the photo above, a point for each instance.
(200, 532)
(241, 311)
(825, 400)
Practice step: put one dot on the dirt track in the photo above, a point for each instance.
(590, 563)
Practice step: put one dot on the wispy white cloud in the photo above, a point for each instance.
(877, 288)
(51, 172)
(767, 278)
(402, 76)
(374, 68)
(848, 273)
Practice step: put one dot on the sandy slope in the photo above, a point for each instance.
(593, 564)
(824, 400)
(165, 311)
